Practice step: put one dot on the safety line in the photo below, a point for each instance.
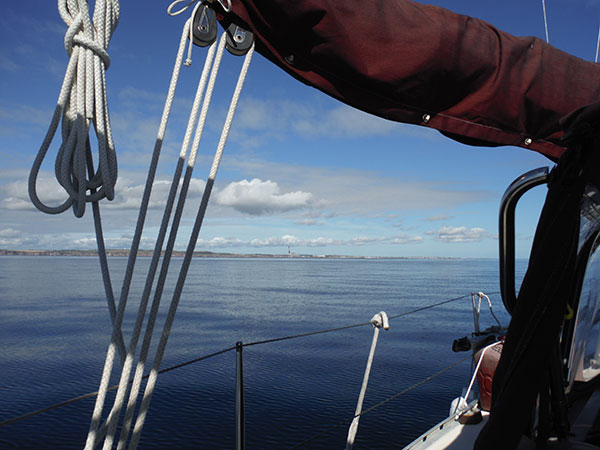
(432, 306)
(110, 388)
(311, 333)
(228, 349)
(381, 403)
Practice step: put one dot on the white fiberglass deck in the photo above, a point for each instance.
(449, 434)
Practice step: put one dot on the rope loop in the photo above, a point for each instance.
(82, 104)
(225, 4)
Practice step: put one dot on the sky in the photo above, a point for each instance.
(300, 170)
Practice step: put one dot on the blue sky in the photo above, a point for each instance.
(300, 169)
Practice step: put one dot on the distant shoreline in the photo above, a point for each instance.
(200, 254)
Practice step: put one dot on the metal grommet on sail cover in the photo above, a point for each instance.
(527, 141)
(426, 118)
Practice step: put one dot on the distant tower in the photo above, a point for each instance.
(289, 251)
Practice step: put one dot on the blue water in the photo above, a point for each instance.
(55, 328)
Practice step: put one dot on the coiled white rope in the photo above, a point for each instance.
(81, 103)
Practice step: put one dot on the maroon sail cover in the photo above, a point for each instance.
(422, 64)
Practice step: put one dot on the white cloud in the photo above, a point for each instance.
(9, 233)
(294, 241)
(343, 192)
(308, 222)
(128, 195)
(15, 195)
(25, 115)
(280, 117)
(258, 197)
(344, 121)
(459, 234)
(438, 218)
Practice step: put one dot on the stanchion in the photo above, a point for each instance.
(239, 399)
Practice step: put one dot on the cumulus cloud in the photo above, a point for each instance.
(15, 195)
(128, 195)
(258, 197)
(459, 234)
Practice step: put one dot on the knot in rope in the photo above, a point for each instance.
(81, 103)
(380, 320)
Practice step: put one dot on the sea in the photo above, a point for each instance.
(299, 393)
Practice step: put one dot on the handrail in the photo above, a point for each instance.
(506, 231)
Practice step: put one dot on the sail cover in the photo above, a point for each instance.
(425, 65)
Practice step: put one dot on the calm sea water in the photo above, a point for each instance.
(55, 328)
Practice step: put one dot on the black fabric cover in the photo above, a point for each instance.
(523, 370)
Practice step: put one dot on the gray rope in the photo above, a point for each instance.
(189, 252)
(135, 247)
(172, 235)
(81, 103)
(112, 419)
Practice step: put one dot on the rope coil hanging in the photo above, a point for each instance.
(82, 103)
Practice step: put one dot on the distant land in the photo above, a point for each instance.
(198, 254)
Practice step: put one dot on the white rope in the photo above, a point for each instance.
(171, 242)
(460, 405)
(139, 423)
(379, 320)
(124, 380)
(225, 5)
(597, 46)
(81, 103)
(545, 20)
(108, 364)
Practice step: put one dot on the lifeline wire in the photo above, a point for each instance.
(219, 352)
(381, 403)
